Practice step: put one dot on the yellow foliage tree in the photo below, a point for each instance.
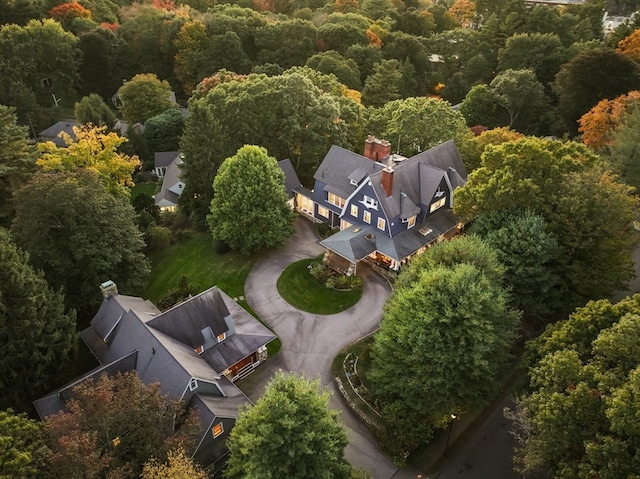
(598, 124)
(178, 466)
(93, 149)
(464, 11)
(630, 46)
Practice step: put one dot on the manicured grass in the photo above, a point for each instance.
(197, 259)
(146, 188)
(303, 291)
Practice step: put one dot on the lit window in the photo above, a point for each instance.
(369, 202)
(322, 211)
(366, 216)
(217, 429)
(354, 211)
(382, 223)
(438, 204)
(193, 384)
(411, 222)
(222, 337)
(335, 200)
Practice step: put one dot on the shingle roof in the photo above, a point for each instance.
(291, 181)
(162, 159)
(54, 130)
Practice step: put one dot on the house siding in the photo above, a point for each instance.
(358, 200)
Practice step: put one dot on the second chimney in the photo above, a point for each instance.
(387, 180)
(375, 149)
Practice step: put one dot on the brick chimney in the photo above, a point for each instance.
(375, 149)
(108, 288)
(387, 180)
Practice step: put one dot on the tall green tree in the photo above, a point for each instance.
(332, 62)
(249, 210)
(291, 117)
(522, 96)
(42, 58)
(528, 253)
(443, 340)
(113, 425)
(37, 333)
(290, 432)
(21, 455)
(144, 96)
(623, 152)
(587, 210)
(17, 160)
(417, 124)
(80, 235)
(92, 109)
(162, 132)
(577, 417)
(593, 75)
(103, 64)
(383, 85)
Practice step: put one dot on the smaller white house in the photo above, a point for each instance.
(168, 167)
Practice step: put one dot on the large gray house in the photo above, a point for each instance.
(195, 350)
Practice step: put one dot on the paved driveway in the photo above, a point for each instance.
(311, 341)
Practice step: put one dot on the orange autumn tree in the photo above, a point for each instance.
(68, 11)
(630, 46)
(598, 124)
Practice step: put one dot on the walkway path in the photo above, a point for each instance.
(311, 341)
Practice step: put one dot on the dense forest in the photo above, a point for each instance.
(542, 102)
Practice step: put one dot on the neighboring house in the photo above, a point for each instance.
(195, 350)
(167, 167)
(53, 132)
(291, 181)
(388, 207)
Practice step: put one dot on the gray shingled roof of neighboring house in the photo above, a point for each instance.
(54, 402)
(186, 320)
(291, 181)
(171, 178)
(54, 130)
(227, 405)
(162, 159)
(166, 198)
(338, 165)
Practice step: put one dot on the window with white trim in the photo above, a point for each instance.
(366, 217)
(382, 223)
(222, 337)
(354, 211)
(217, 429)
(324, 212)
(369, 202)
(411, 222)
(438, 204)
(335, 200)
(193, 384)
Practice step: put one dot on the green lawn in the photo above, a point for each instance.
(146, 188)
(197, 259)
(303, 291)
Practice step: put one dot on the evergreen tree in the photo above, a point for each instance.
(37, 335)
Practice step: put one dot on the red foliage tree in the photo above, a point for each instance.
(67, 11)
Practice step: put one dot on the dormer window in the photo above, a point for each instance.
(369, 202)
(437, 204)
(222, 337)
(193, 384)
(353, 182)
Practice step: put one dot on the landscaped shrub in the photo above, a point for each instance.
(319, 270)
(332, 279)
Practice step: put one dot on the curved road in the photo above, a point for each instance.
(311, 341)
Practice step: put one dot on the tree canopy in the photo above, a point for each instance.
(37, 333)
(290, 116)
(417, 124)
(249, 210)
(454, 319)
(577, 417)
(290, 432)
(95, 150)
(92, 109)
(178, 466)
(80, 235)
(144, 96)
(21, 455)
(587, 210)
(112, 426)
(17, 160)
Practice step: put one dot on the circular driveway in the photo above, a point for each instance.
(310, 342)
